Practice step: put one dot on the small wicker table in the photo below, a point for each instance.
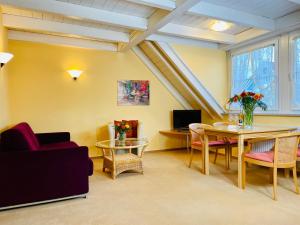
(118, 163)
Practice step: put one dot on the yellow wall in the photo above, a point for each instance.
(42, 93)
(209, 66)
(3, 79)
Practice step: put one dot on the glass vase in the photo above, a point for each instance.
(122, 136)
(248, 118)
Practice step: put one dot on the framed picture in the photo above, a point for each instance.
(133, 92)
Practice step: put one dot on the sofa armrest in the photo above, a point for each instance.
(33, 176)
(48, 138)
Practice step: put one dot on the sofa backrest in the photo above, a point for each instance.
(19, 138)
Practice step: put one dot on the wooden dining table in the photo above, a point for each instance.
(241, 134)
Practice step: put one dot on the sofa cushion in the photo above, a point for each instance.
(19, 137)
(59, 145)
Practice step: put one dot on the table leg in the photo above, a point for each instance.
(187, 143)
(206, 155)
(240, 152)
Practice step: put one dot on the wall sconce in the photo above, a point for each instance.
(75, 73)
(5, 57)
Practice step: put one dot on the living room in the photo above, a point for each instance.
(190, 55)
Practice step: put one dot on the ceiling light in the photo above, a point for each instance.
(220, 26)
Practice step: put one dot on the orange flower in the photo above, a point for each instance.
(244, 94)
(235, 98)
(257, 96)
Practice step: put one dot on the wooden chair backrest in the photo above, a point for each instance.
(286, 147)
(220, 124)
(197, 131)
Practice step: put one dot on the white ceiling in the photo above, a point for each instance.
(268, 8)
(119, 6)
(128, 22)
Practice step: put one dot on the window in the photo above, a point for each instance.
(296, 75)
(256, 71)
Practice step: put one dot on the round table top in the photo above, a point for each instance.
(128, 143)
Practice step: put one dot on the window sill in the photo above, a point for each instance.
(269, 113)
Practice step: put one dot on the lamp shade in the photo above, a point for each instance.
(75, 73)
(5, 57)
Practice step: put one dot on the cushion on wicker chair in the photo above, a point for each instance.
(262, 156)
(233, 141)
(211, 143)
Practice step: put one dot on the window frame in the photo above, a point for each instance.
(251, 48)
(292, 39)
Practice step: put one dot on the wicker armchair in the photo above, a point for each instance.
(230, 142)
(282, 155)
(197, 142)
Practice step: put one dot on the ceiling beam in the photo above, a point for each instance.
(231, 15)
(33, 24)
(81, 12)
(179, 40)
(295, 1)
(60, 40)
(285, 24)
(197, 34)
(159, 20)
(161, 4)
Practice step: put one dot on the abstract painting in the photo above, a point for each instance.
(133, 92)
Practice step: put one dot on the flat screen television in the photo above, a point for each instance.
(182, 118)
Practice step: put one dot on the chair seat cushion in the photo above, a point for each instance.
(261, 156)
(59, 145)
(210, 143)
(298, 152)
(232, 141)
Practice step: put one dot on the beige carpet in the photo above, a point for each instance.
(169, 193)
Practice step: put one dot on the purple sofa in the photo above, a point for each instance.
(37, 168)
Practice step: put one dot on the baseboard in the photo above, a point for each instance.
(43, 202)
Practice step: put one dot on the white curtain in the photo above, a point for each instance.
(255, 71)
(296, 75)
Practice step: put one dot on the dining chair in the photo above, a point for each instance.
(231, 142)
(298, 155)
(197, 140)
(282, 155)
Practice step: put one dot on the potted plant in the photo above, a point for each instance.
(248, 102)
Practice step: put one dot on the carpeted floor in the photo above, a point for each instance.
(170, 193)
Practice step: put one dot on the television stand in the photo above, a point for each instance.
(182, 132)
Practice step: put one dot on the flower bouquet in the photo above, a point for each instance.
(121, 128)
(248, 102)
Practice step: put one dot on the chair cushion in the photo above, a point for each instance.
(132, 132)
(298, 152)
(261, 156)
(211, 143)
(232, 141)
(59, 145)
